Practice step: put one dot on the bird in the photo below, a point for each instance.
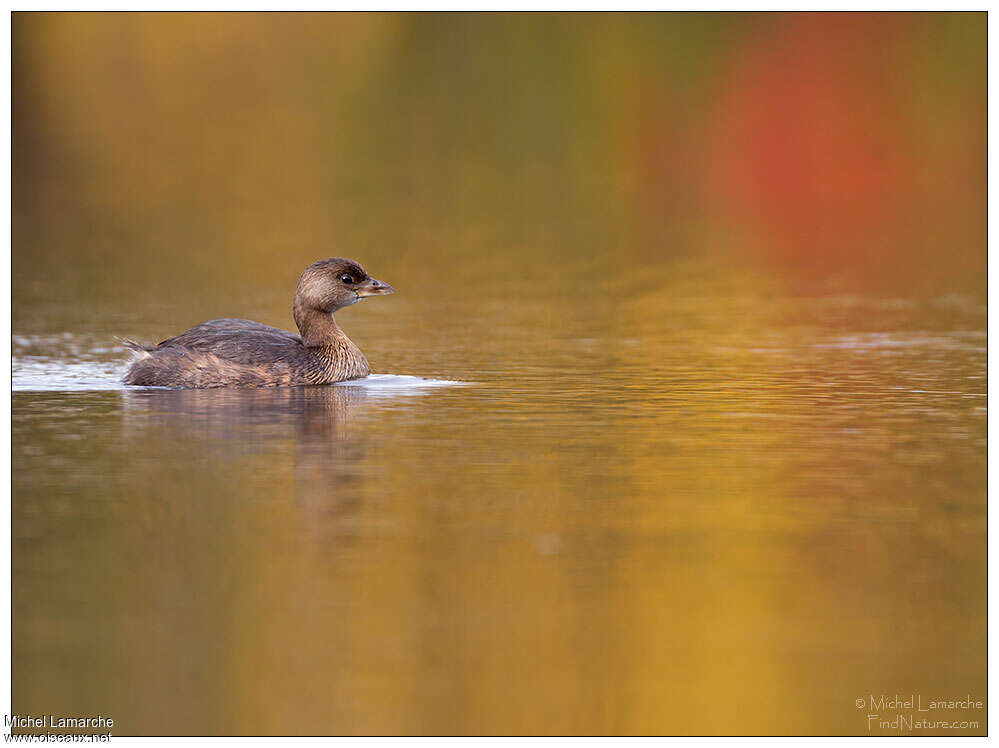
(242, 353)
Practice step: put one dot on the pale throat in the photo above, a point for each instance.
(319, 329)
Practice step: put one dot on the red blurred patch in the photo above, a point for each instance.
(811, 145)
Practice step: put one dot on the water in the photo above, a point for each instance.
(744, 510)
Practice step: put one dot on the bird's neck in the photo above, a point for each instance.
(319, 329)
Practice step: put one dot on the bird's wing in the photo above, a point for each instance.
(239, 340)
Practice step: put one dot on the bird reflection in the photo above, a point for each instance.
(312, 430)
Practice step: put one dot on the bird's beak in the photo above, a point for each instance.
(372, 287)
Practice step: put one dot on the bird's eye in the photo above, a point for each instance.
(347, 278)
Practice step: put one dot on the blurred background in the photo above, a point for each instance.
(718, 281)
(182, 151)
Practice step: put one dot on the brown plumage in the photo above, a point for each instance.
(241, 353)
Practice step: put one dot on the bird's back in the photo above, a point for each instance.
(242, 341)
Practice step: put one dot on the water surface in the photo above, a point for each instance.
(698, 509)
